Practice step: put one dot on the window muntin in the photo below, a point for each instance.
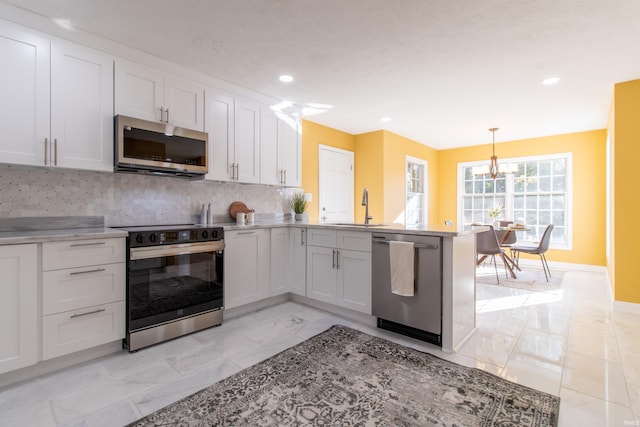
(536, 195)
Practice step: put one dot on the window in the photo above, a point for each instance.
(537, 195)
(415, 206)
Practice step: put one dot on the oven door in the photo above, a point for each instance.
(169, 282)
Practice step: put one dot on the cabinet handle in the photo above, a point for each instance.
(162, 114)
(167, 109)
(237, 171)
(55, 151)
(302, 237)
(246, 232)
(97, 270)
(333, 258)
(46, 151)
(337, 259)
(88, 244)
(100, 310)
(285, 177)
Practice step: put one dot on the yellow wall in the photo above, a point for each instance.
(589, 186)
(626, 204)
(369, 173)
(380, 166)
(396, 148)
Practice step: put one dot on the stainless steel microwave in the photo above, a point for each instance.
(148, 147)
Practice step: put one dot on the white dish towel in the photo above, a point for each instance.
(401, 262)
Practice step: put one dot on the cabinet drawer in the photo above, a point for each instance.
(71, 289)
(321, 237)
(354, 240)
(80, 253)
(77, 330)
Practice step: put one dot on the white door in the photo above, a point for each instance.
(321, 274)
(184, 103)
(336, 184)
(247, 141)
(139, 91)
(280, 261)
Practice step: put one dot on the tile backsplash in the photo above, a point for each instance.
(127, 199)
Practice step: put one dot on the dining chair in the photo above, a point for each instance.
(539, 250)
(487, 244)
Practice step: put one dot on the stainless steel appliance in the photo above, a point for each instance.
(175, 282)
(159, 148)
(418, 316)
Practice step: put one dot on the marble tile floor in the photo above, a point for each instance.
(568, 342)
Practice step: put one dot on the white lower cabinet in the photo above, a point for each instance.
(83, 294)
(298, 257)
(280, 261)
(18, 306)
(246, 266)
(339, 268)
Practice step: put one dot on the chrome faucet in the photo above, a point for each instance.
(365, 203)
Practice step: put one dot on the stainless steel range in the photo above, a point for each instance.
(175, 282)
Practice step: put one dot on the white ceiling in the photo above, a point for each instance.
(444, 71)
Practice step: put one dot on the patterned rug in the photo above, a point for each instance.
(530, 278)
(346, 377)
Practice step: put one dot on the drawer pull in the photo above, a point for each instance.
(97, 270)
(88, 244)
(100, 310)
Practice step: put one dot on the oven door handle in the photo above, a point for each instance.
(178, 249)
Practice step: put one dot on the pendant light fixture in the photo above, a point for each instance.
(493, 169)
(493, 166)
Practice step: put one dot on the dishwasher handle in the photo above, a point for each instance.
(416, 246)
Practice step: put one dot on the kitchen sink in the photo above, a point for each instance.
(359, 224)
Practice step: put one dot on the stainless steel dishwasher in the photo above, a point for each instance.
(418, 316)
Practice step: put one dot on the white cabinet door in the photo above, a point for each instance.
(139, 92)
(247, 141)
(146, 94)
(246, 267)
(321, 274)
(354, 280)
(298, 258)
(280, 261)
(24, 103)
(81, 107)
(270, 173)
(72, 331)
(18, 306)
(184, 103)
(290, 151)
(219, 110)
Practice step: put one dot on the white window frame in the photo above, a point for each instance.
(425, 186)
(568, 157)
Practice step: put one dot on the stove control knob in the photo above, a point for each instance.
(140, 238)
(153, 237)
(214, 234)
(205, 234)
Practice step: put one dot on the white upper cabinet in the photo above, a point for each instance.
(281, 155)
(24, 104)
(147, 94)
(81, 108)
(219, 112)
(57, 103)
(233, 125)
(247, 141)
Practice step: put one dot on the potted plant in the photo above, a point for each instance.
(494, 212)
(298, 203)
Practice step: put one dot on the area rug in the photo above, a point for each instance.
(530, 278)
(345, 377)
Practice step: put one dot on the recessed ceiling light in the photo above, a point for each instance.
(385, 119)
(286, 78)
(551, 80)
